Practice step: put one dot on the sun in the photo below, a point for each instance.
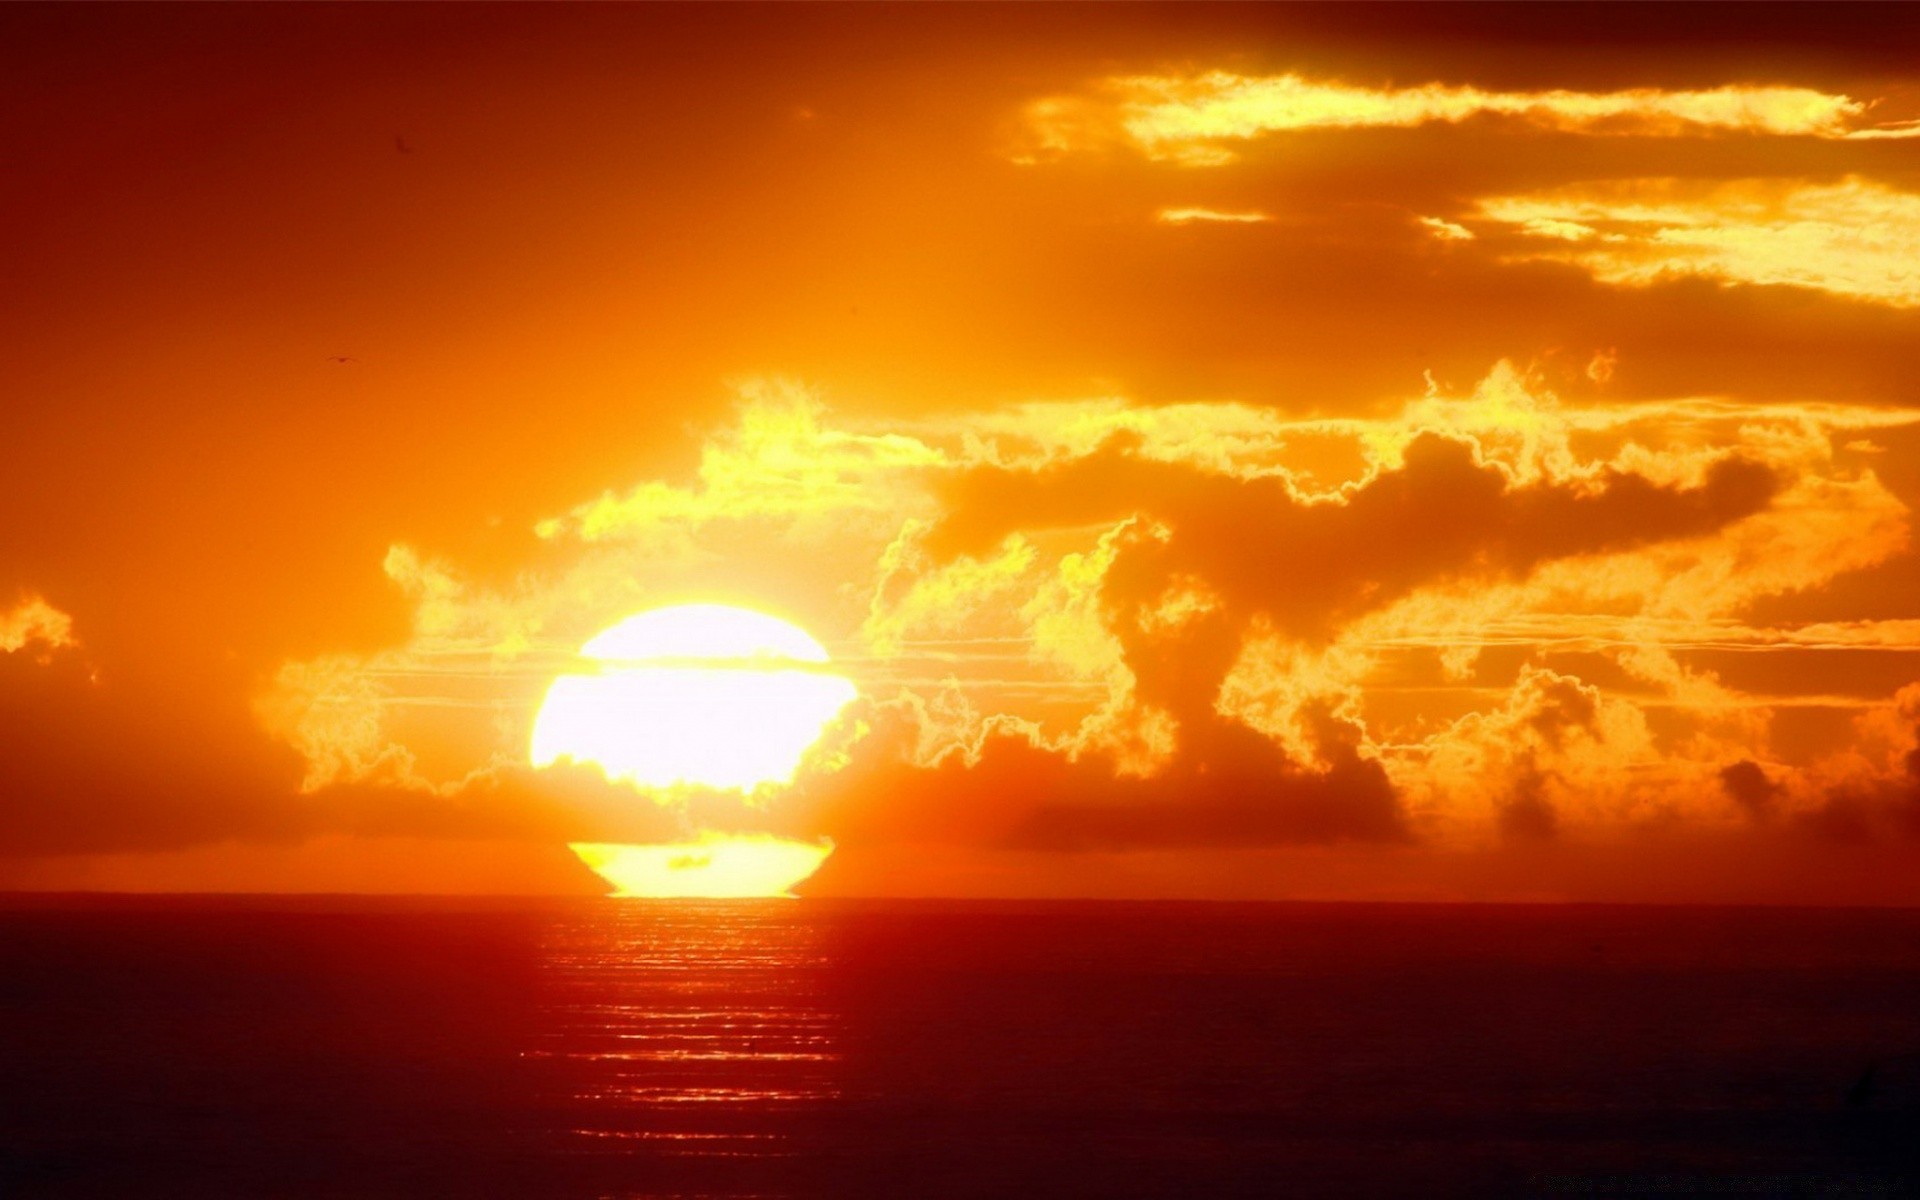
(716, 867)
(702, 695)
(696, 696)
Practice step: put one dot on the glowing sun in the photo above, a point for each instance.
(697, 695)
(717, 866)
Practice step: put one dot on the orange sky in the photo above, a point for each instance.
(1334, 451)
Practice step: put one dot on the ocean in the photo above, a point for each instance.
(338, 1047)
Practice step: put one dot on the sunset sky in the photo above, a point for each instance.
(1333, 452)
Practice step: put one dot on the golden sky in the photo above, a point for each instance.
(1420, 452)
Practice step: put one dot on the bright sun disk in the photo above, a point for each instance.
(696, 695)
(718, 866)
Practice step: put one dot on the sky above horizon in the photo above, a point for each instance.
(1244, 452)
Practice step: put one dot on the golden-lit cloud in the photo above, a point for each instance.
(1485, 616)
(1675, 593)
(1211, 216)
(34, 625)
(1446, 231)
(1157, 509)
(1867, 791)
(780, 463)
(1556, 752)
(1856, 238)
(1197, 119)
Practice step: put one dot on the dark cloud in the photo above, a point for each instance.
(1860, 811)
(1750, 788)
(1560, 703)
(554, 804)
(1226, 785)
(1847, 817)
(108, 764)
(1311, 567)
(1526, 814)
(1306, 568)
(119, 764)
(1230, 787)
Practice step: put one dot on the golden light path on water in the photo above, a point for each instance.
(701, 696)
(690, 1027)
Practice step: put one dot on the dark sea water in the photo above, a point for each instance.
(297, 1048)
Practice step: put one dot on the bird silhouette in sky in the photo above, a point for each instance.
(341, 358)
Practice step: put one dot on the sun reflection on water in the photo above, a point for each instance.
(686, 1025)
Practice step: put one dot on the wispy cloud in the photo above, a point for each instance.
(1191, 216)
(1446, 231)
(1196, 119)
(1856, 238)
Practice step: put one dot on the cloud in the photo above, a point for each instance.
(1446, 231)
(1511, 524)
(1556, 753)
(33, 624)
(1870, 791)
(1225, 786)
(1215, 588)
(781, 462)
(113, 761)
(1210, 216)
(1856, 238)
(1094, 625)
(1310, 564)
(1866, 791)
(1196, 119)
(1526, 813)
(1749, 787)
